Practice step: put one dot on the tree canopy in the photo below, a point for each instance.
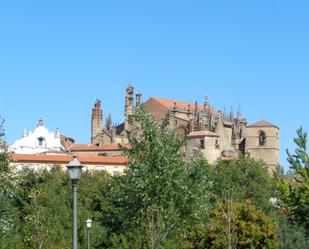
(163, 200)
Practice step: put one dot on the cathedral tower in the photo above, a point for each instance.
(96, 120)
(262, 142)
(138, 99)
(129, 105)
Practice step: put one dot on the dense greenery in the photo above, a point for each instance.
(163, 200)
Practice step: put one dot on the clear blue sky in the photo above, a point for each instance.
(57, 57)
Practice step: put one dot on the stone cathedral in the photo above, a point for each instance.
(212, 133)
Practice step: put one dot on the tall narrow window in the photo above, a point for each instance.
(202, 144)
(217, 144)
(41, 141)
(262, 138)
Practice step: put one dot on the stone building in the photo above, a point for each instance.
(212, 133)
(109, 133)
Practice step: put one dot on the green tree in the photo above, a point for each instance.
(161, 193)
(296, 188)
(244, 179)
(234, 225)
(9, 222)
(292, 236)
(98, 193)
(46, 209)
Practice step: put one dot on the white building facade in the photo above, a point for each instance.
(37, 141)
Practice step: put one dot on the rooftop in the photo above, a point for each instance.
(85, 159)
(262, 123)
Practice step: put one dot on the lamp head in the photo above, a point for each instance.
(74, 168)
(88, 223)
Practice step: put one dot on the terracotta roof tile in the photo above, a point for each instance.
(181, 104)
(203, 134)
(91, 147)
(86, 159)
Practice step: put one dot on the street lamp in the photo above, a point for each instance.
(74, 168)
(88, 224)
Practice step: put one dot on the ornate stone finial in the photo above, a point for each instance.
(195, 108)
(57, 134)
(189, 109)
(24, 133)
(130, 89)
(109, 122)
(41, 122)
(238, 113)
(97, 103)
(231, 114)
(175, 106)
(206, 103)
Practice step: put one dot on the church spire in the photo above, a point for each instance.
(231, 114)
(109, 122)
(238, 114)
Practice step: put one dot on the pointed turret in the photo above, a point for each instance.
(224, 114)
(195, 108)
(231, 114)
(238, 114)
(109, 122)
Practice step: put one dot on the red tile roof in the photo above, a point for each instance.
(91, 147)
(203, 134)
(86, 159)
(168, 103)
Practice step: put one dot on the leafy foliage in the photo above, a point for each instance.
(163, 200)
(161, 192)
(9, 237)
(245, 179)
(296, 189)
(292, 236)
(235, 225)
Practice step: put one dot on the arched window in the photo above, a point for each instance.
(41, 141)
(262, 138)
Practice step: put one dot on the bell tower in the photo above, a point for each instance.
(96, 120)
(129, 105)
(262, 143)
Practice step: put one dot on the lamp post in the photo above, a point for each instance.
(88, 224)
(75, 169)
